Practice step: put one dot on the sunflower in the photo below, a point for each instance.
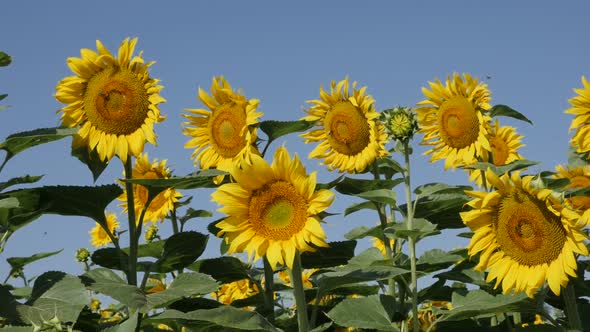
(350, 134)
(163, 203)
(504, 143)
(226, 134)
(112, 99)
(379, 244)
(272, 209)
(98, 236)
(579, 178)
(453, 120)
(305, 275)
(236, 290)
(524, 235)
(581, 109)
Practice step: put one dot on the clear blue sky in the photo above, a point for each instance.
(281, 52)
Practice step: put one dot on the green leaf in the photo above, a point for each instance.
(359, 206)
(223, 269)
(9, 203)
(436, 259)
(91, 159)
(545, 180)
(500, 170)
(2, 96)
(503, 110)
(364, 231)
(201, 179)
(129, 325)
(226, 317)
(421, 228)
(8, 306)
(19, 142)
(442, 207)
(3, 107)
(55, 295)
(330, 184)
(372, 312)
(20, 262)
(477, 303)
(350, 186)
(575, 159)
(191, 213)
(111, 258)
(389, 167)
(181, 250)
(5, 59)
(19, 180)
(383, 196)
(275, 129)
(185, 285)
(106, 282)
(439, 188)
(338, 253)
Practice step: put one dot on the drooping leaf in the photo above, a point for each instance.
(436, 259)
(223, 269)
(111, 258)
(480, 303)
(181, 250)
(91, 159)
(17, 263)
(383, 196)
(338, 253)
(191, 213)
(106, 282)
(389, 167)
(330, 184)
(225, 318)
(201, 179)
(421, 228)
(364, 231)
(500, 170)
(351, 186)
(19, 142)
(359, 206)
(503, 110)
(372, 312)
(5, 59)
(428, 189)
(275, 129)
(185, 285)
(19, 180)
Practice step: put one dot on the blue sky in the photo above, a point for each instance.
(532, 54)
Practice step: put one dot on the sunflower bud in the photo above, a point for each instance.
(151, 233)
(82, 255)
(400, 123)
(95, 305)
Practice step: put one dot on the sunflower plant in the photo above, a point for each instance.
(278, 269)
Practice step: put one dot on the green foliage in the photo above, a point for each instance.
(372, 312)
(19, 142)
(223, 269)
(19, 180)
(503, 110)
(106, 282)
(275, 129)
(5, 59)
(478, 303)
(421, 228)
(18, 263)
(338, 253)
(185, 285)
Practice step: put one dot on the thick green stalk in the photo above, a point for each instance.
(297, 282)
(132, 266)
(571, 308)
(386, 241)
(411, 240)
(269, 290)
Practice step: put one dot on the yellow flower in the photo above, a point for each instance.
(305, 275)
(94, 305)
(505, 143)
(112, 99)
(154, 286)
(581, 122)
(350, 134)
(426, 317)
(378, 243)
(225, 135)
(453, 120)
(272, 209)
(579, 178)
(524, 235)
(98, 236)
(163, 203)
(237, 290)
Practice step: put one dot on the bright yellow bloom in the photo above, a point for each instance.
(237, 290)
(305, 275)
(98, 236)
(112, 99)
(272, 209)
(154, 286)
(94, 304)
(524, 235)
(350, 134)
(579, 178)
(378, 243)
(163, 203)
(225, 135)
(581, 122)
(453, 120)
(505, 143)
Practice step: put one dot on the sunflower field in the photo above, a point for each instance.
(277, 270)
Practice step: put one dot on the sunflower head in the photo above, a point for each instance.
(579, 178)
(504, 144)
(225, 133)
(160, 205)
(98, 236)
(285, 277)
(581, 122)
(351, 136)
(524, 235)
(453, 120)
(400, 123)
(236, 290)
(379, 244)
(272, 210)
(112, 99)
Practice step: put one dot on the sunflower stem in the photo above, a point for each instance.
(175, 222)
(269, 290)
(132, 266)
(297, 281)
(411, 239)
(571, 308)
